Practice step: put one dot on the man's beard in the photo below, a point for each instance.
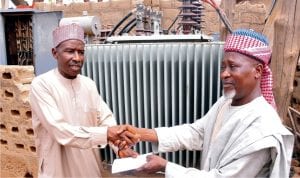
(229, 94)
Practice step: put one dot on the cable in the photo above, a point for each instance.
(174, 21)
(129, 28)
(126, 26)
(224, 20)
(271, 9)
(119, 23)
(212, 3)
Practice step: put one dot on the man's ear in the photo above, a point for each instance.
(54, 53)
(258, 70)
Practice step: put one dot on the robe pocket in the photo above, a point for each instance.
(91, 115)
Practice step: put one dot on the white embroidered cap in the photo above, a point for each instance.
(67, 32)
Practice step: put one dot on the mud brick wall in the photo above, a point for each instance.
(296, 92)
(111, 12)
(18, 152)
(295, 103)
(249, 15)
(246, 14)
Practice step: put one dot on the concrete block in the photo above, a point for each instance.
(4, 113)
(26, 112)
(12, 133)
(18, 137)
(19, 145)
(3, 127)
(8, 159)
(7, 141)
(18, 113)
(27, 132)
(16, 165)
(17, 94)
(4, 143)
(7, 94)
(11, 75)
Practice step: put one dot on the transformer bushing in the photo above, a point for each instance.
(147, 21)
(140, 12)
(191, 13)
(199, 12)
(155, 22)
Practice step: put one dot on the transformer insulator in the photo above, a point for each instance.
(191, 13)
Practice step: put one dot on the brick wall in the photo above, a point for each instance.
(246, 14)
(18, 153)
(295, 103)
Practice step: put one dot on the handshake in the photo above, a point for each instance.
(124, 137)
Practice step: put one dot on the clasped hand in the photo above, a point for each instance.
(123, 136)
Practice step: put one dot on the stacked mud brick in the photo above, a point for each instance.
(296, 93)
(18, 152)
(295, 104)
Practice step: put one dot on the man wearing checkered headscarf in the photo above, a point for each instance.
(254, 45)
(241, 135)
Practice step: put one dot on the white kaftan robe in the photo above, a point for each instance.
(251, 142)
(70, 120)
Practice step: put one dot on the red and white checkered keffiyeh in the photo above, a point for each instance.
(266, 85)
(254, 45)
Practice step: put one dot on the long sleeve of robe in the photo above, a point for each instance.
(251, 142)
(70, 120)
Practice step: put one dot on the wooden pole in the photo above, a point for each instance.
(285, 35)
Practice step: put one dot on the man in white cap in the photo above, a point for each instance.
(70, 119)
(242, 134)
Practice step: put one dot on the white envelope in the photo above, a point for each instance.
(126, 164)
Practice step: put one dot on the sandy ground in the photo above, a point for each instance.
(106, 173)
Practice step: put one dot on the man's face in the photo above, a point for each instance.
(240, 77)
(70, 57)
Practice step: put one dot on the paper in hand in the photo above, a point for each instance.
(126, 164)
